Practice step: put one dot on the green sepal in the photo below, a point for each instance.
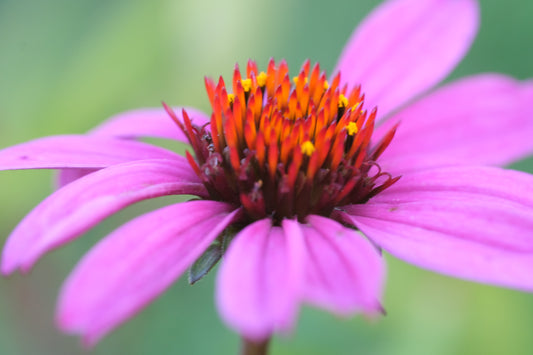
(212, 255)
(205, 262)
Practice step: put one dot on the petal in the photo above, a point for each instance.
(66, 176)
(405, 47)
(473, 223)
(82, 204)
(135, 264)
(77, 151)
(258, 286)
(344, 272)
(148, 122)
(486, 119)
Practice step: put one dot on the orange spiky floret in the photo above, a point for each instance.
(287, 148)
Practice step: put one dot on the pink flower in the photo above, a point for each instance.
(299, 185)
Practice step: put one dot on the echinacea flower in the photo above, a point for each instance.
(300, 183)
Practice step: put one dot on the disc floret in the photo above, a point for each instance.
(287, 148)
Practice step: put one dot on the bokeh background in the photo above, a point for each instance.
(67, 65)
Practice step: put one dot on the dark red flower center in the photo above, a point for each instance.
(287, 148)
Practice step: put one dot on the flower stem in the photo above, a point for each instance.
(254, 348)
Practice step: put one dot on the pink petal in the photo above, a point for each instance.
(66, 176)
(82, 204)
(258, 286)
(148, 122)
(405, 47)
(77, 151)
(473, 223)
(136, 263)
(486, 119)
(344, 272)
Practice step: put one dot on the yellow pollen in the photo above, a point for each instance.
(231, 98)
(295, 79)
(343, 101)
(246, 84)
(326, 85)
(262, 79)
(352, 128)
(307, 148)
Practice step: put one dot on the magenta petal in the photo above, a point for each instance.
(66, 176)
(473, 223)
(82, 204)
(486, 119)
(258, 286)
(77, 151)
(344, 271)
(135, 264)
(148, 122)
(405, 47)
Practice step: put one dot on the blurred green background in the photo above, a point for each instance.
(67, 65)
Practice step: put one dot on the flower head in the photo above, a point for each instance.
(290, 174)
(284, 150)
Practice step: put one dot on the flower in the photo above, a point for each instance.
(289, 174)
